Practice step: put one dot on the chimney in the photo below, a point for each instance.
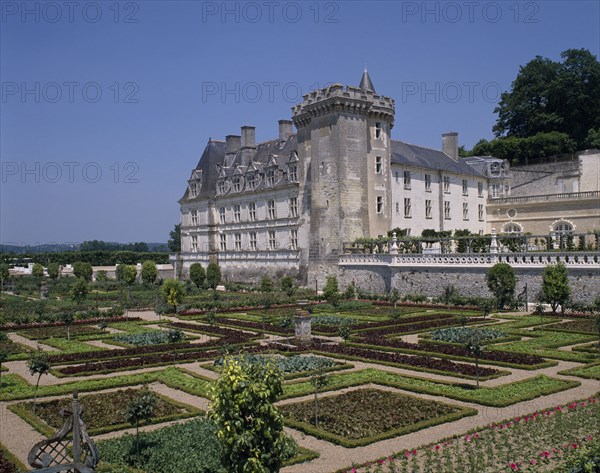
(285, 129)
(450, 144)
(248, 144)
(232, 146)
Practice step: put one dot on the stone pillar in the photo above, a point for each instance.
(303, 321)
(494, 247)
(394, 247)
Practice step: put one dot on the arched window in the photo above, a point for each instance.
(512, 228)
(563, 228)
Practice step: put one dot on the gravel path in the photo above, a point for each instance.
(30, 343)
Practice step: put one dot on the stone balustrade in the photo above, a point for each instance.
(530, 259)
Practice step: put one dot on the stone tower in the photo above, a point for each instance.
(344, 144)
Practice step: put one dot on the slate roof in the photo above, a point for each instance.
(210, 163)
(419, 156)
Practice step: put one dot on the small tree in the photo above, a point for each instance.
(79, 291)
(129, 275)
(149, 272)
(266, 284)
(331, 291)
(68, 319)
(53, 270)
(37, 270)
(197, 274)
(344, 331)
(213, 275)
(319, 381)
(501, 282)
(556, 290)
(174, 336)
(350, 292)
(487, 306)
(119, 272)
(4, 274)
(172, 291)
(474, 346)
(3, 358)
(287, 285)
(211, 317)
(249, 426)
(140, 408)
(83, 270)
(101, 276)
(394, 297)
(38, 364)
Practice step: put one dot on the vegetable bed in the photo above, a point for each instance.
(365, 416)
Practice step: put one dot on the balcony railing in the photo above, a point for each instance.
(546, 197)
(533, 259)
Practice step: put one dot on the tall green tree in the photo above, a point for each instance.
(249, 426)
(556, 289)
(174, 242)
(549, 96)
(501, 281)
(149, 272)
(197, 274)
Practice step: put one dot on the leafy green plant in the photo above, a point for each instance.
(172, 292)
(287, 285)
(249, 427)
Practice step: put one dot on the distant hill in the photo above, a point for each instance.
(61, 247)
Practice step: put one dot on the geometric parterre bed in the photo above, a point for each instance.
(102, 412)
(364, 416)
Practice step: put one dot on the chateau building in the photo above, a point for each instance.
(286, 206)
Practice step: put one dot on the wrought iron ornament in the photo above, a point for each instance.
(53, 455)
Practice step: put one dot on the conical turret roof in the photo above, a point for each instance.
(366, 83)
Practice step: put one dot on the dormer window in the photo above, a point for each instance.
(221, 187)
(270, 177)
(237, 184)
(250, 181)
(293, 173)
(193, 189)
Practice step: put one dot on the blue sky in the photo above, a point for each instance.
(107, 106)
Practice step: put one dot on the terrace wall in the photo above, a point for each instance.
(468, 280)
